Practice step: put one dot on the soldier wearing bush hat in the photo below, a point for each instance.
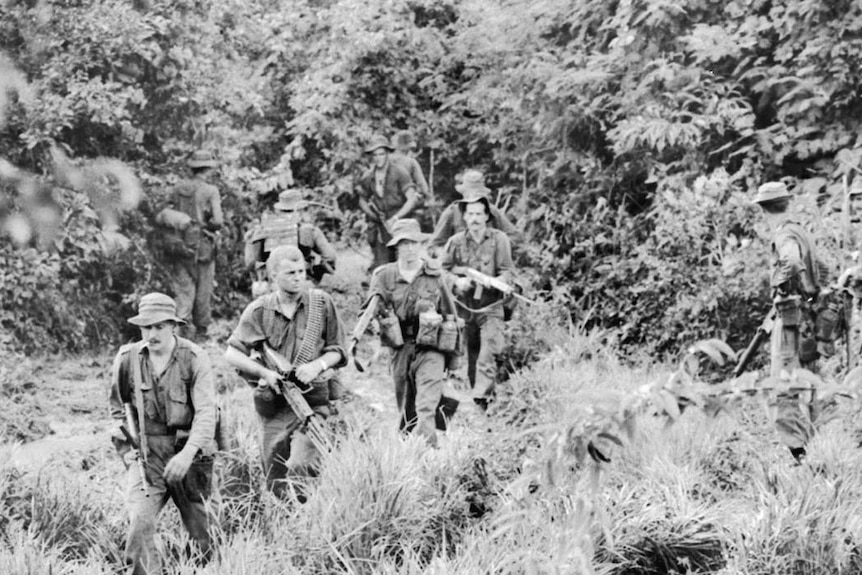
(285, 226)
(386, 194)
(795, 283)
(404, 156)
(415, 296)
(488, 251)
(170, 444)
(451, 221)
(189, 251)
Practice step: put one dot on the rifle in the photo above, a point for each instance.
(130, 431)
(293, 395)
(486, 281)
(361, 326)
(763, 331)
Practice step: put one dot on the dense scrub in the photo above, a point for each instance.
(509, 493)
(624, 137)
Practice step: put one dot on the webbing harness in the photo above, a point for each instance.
(137, 380)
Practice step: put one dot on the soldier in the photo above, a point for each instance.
(413, 292)
(301, 324)
(163, 387)
(472, 187)
(404, 156)
(386, 194)
(285, 226)
(486, 250)
(795, 285)
(192, 266)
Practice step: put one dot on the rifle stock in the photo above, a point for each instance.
(763, 331)
(130, 432)
(361, 325)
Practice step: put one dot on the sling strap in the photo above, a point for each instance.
(137, 380)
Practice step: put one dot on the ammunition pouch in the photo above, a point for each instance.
(390, 332)
(808, 351)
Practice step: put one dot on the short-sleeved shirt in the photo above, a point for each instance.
(187, 383)
(262, 321)
(395, 184)
(492, 256)
(413, 169)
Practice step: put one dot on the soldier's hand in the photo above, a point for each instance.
(269, 379)
(307, 372)
(179, 465)
(462, 285)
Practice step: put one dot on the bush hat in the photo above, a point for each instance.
(771, 191)
(378, 142)
(472, 184)
(402, 139)
(202, 159)
(289, 201)
(155, 308)
(406, 229)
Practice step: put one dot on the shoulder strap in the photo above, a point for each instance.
(313, 327)
(137, 380)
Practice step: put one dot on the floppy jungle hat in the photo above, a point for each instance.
(472, 184)
(378, 142)
(771, 191)
(202, 159)
(406, 229)
(155, 308)
(290, 200)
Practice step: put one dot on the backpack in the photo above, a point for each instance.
(177, 236)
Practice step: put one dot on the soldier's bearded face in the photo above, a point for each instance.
(289, 276)
(475, 216)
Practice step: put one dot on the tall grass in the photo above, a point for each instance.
(504, 494)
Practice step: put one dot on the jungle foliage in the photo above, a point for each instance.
(624, 137)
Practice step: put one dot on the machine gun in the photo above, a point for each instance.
(130, 432)
(361, 326)
(763, 331)
(485, 281)
(289, 387)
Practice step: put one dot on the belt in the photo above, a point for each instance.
(159, 428)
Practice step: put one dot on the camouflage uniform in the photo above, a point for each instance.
(286, 450)
(481, 309)
(179, 413)
(193, 277)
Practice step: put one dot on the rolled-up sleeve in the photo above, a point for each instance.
(334, 336)
(503, 257)
(249, 331)
(119, 376)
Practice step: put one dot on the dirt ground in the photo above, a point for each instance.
(72, 407)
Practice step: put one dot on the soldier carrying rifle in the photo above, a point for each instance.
(488, 251)
(795, 284)
(386, 194)
(301, 325)
(162, 389)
